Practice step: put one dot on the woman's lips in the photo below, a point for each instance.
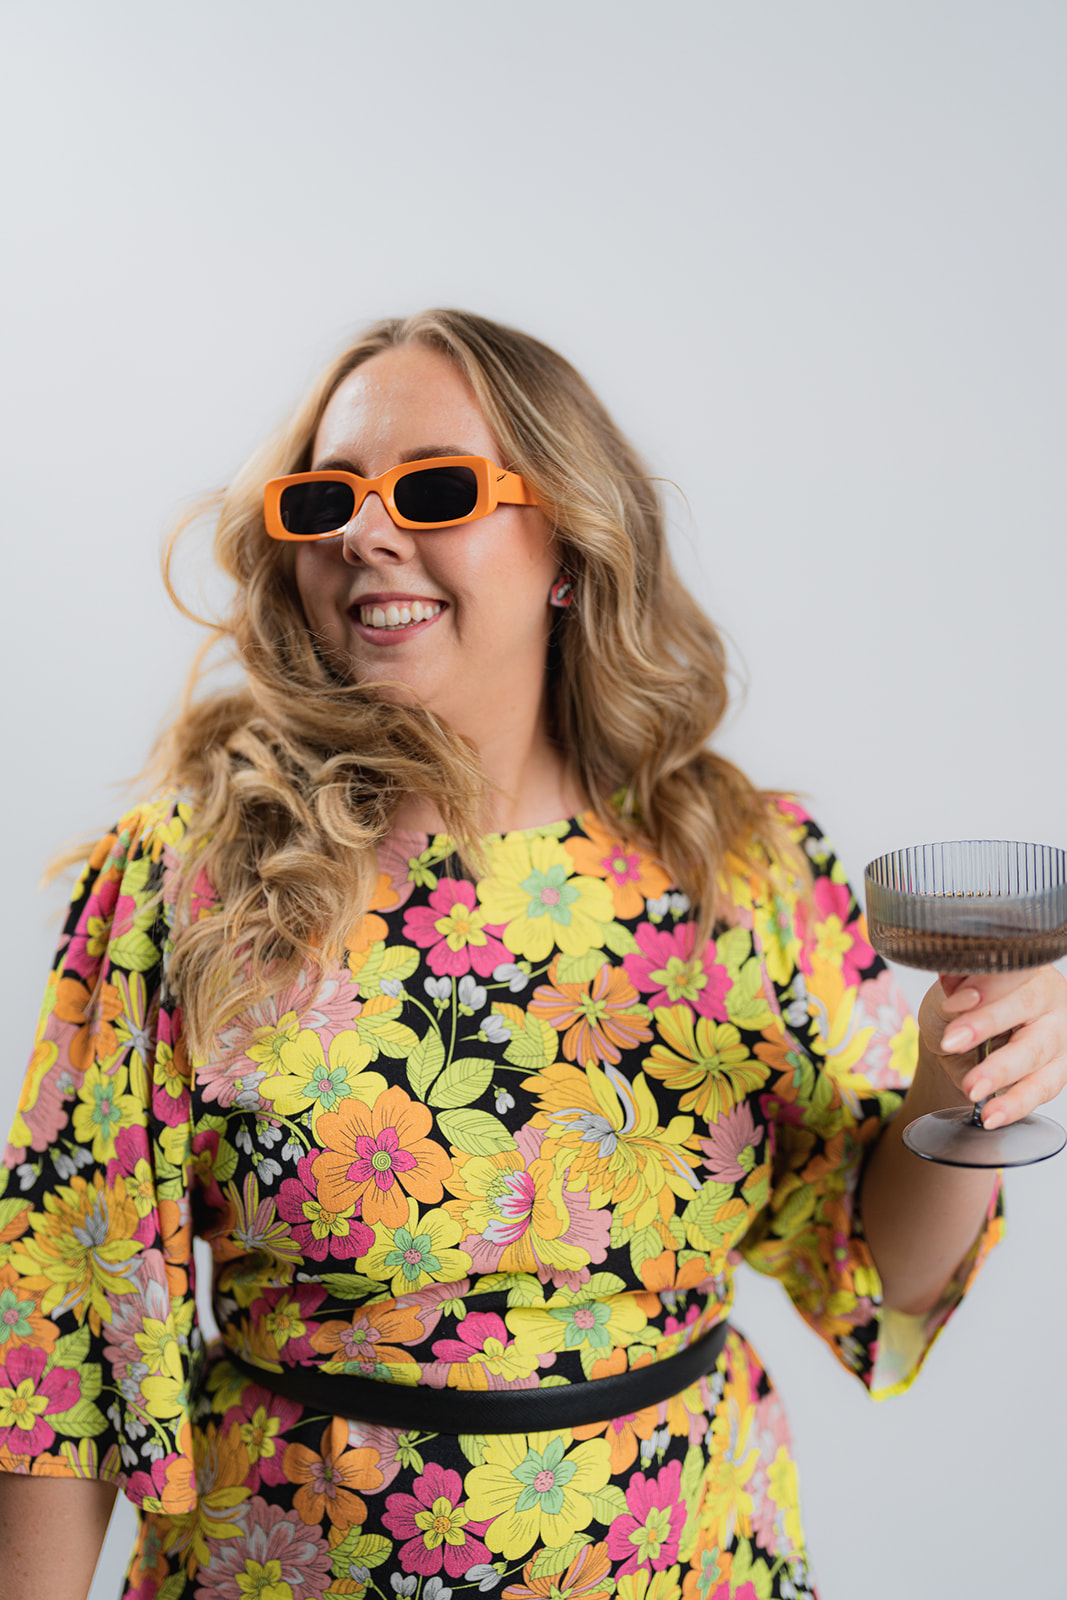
(392, 629)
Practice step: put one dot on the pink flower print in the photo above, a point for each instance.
(832, 932)
(325, 1000)
(648, 1536)
(434, 1524)
(27, 1398)
(272, 1545)
(730, 1147)
(888, 1057)
(263, 1419)
(490, 1359)
(668, 971)
(318, 1232)
(279, 1320)
(90, 939)
(385, 1440)
(391, 1159)
(454, 930)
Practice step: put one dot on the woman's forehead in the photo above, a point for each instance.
(396, 404)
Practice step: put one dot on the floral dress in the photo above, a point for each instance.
(521, 1137)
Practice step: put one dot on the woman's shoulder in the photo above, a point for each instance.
(152, 827)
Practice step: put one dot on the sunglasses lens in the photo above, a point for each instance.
(437, 494)
(315, 508)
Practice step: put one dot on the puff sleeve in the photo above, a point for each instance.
(99, 1345)
(842, 1051)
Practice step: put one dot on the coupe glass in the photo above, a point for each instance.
(972, 906)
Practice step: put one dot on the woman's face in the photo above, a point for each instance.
(480, 655)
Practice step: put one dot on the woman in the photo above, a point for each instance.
(477, 1015)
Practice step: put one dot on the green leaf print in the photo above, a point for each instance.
(620, 941)
(534, 1047)
(645, 1245)
(134, 950)
(349, 1286)
(9, 1210)
(473, 1447)
(698, 1218)
(361, 1550)
(733, 948)
(548, 1562)
(462, 1081)
(689, 1494)
(476, 1132)
(396, 962)
(387, 1036)
(579, 969)
(608, 1503)
(83, 1421)
(71, 1350)
(425, 1062)
(745, 1001)
(174, 1587)
(601, 1286)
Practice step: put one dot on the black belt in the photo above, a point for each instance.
(541, 1410)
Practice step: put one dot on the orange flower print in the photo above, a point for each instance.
(602, 1018)
(622, 1433)
(587, 1578)
(370, 1342)
(329, 1480)
(377, 1156)
(633, 876)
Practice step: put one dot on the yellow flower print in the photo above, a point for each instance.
(585, 1319)
(646, 1585)
(418, 1252)
(728, 1506)
(532, 1491)
(270, 1042)
(516, 1213)
(530, 887)
(103, 1109)
(703, 1061)
(775, 933)
(837, 1036)
(782, 1487)
(604, 1132)
(82, 1249)
(303, 1077)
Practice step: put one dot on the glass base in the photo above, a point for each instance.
(951, 1139)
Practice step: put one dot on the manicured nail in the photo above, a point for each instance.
(995, 1119)
(966, 997)
(981, 1089)
(953, 1037)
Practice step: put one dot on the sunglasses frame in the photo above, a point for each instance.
(496, 486)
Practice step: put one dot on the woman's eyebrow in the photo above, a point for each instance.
(422, 453)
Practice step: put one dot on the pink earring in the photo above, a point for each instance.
(561, 593)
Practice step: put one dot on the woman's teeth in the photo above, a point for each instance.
(397, 616)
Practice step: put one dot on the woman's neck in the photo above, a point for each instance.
(528, 783)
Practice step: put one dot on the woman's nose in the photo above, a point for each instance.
(373, 535)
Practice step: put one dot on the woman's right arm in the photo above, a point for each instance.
(51, 1534)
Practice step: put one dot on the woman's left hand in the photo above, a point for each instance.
(1025, 1012)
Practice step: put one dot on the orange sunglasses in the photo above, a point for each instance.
(437, 493)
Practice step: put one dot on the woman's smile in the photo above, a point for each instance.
(386, 619)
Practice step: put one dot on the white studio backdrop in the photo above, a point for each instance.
(812, 257)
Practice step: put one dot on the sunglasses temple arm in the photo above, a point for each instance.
(514, 491)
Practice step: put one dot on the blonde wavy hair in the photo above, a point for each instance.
(298, 772)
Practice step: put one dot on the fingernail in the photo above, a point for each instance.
(995, 1119)
(981, 1089)
(952, 1038)
(967, 997)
